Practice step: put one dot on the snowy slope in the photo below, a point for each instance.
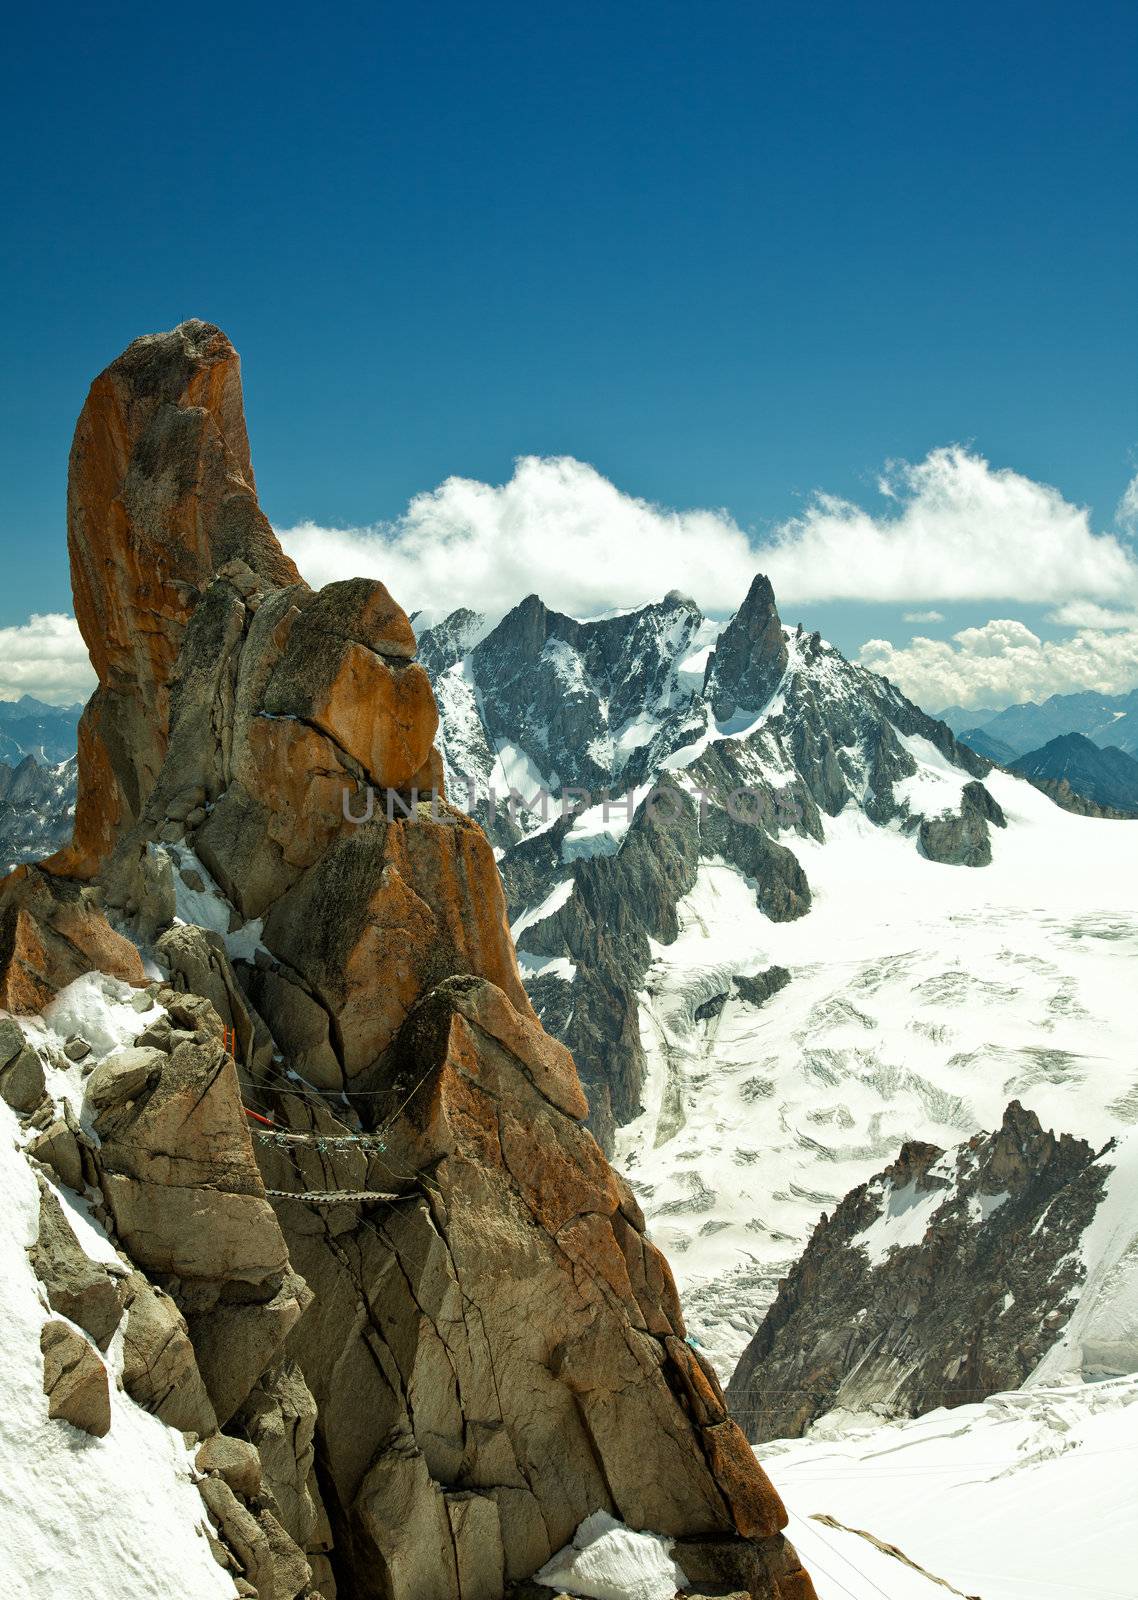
(102, 1518)
(1101, 1338)
(1028, 1496)
(922, 998)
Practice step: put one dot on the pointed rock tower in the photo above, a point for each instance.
(430, 1304)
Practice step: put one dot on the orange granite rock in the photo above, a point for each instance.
(160, 495)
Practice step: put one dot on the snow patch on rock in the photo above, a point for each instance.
(607, 1561)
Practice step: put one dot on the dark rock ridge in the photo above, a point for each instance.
(944, 1279)
(416, 1323)
(1083, 776)
(771, 716)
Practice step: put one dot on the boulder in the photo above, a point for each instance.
(122, 1077)
(74, 1380)
(160, 1369)
(235, 1460)
(22, 1080)
(58, 1148)
(84, 1291)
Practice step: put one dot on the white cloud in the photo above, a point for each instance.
(951, 528)
(45, 657)
(1126, 516)
(1088, 614)
(1004, 662)
(957, 529)
(557, 528)
(923, 616)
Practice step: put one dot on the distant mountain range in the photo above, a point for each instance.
(37, 809)
(1073, 763)
(30, 727)
(1104, 719)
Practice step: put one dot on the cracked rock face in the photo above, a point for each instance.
(516, 1355)
(431, 1310)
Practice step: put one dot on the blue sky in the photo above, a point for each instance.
(728, 254)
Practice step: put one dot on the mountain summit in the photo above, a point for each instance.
(754, 732)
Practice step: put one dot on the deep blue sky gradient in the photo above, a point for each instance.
(727, 252)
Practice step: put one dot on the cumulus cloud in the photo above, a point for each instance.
(45, 657)
(923, 616)
(1004, 662)
(950, 528)
(1088, 614)
(956, 529)
(557, 528)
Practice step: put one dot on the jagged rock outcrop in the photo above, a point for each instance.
(424, 1297)
(944, 1279)
(83, 1291)
(750, 655)
(51, 931)
(963, 840)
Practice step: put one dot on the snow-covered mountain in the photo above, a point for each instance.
(31, 727)
(37, 808)
(953, 940)
(671, 741)
(37, 778)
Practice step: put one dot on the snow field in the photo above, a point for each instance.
(1027, 1496)
(923, 998)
